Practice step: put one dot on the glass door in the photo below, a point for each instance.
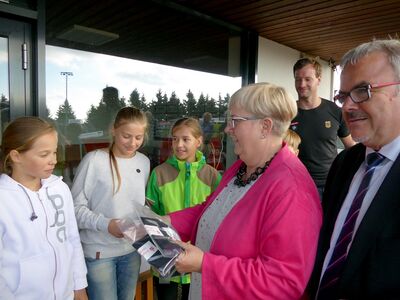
(15, 71)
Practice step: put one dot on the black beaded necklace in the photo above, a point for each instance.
(241, 182)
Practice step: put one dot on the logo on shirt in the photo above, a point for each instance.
(59, 216)
(328, 124)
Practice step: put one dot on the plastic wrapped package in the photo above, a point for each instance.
(153, 239)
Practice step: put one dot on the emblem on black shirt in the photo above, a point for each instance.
(328, 124)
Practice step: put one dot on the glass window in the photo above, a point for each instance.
(84, 91)
(4, 91)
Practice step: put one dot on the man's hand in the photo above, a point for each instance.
(114, 229)
(190, 260)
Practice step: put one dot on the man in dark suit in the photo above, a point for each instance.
(359, 248)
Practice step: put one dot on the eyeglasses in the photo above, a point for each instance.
(362, 93)
(231, 120)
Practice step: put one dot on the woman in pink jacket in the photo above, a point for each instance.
(255, 237)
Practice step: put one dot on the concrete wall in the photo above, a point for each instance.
(275, 65)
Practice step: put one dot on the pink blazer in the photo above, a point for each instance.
(265, 247)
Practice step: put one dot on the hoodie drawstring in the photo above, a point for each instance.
(33, 215)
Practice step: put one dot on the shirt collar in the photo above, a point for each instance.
(390, 151)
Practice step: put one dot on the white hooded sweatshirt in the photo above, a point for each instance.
(40, 251)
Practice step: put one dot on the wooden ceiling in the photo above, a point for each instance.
(196, 33)
(321, 28)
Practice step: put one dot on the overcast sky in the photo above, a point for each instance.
(93, 72)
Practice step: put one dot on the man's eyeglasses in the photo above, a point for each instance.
(362, 93)
(233, 120)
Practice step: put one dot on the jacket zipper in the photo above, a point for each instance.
(52, 247)
(187, 185)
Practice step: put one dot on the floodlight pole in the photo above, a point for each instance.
(66, 74)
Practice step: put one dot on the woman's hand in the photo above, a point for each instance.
(189, 260)
(114, 229)
(80, 295)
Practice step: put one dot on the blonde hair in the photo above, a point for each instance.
(292, 139)
(266, 100)
(20, 135)
(124, 116)
(191, 123)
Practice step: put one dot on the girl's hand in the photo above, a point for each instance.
(114, 230)
(80, 295)
(190, 260)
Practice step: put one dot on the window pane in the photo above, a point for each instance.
(4, 92)
(85, 90)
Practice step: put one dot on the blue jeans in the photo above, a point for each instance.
(113, 278)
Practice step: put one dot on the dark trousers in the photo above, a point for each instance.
(171, 290)
(321, 191)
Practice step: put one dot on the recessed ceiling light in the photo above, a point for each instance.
(88, 36)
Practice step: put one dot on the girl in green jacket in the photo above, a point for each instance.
(184, 180)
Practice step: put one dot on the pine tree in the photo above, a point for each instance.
(159, 106)
(64, 114)
(201, 106)
(211, 105)
(174, 107)
(4, 109)
(190, 104)
(137, 101)
(223, 106)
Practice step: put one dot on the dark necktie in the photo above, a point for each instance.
(332, 273)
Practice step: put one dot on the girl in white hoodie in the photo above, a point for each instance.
(40, 251)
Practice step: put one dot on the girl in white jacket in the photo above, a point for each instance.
(40, 251)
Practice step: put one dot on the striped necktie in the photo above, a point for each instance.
(330, 278)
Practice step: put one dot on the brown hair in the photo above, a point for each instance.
(192, 123)
(20, 135)
(301, 63)
(124, 116)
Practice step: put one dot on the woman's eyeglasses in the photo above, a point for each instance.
(360, 94)
(233, 120)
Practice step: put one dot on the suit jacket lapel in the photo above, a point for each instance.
(383, 205)
(347, 169)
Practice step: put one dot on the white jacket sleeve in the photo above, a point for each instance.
(82, 190)
(5, 292)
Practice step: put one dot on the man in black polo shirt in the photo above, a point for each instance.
(318, 122)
